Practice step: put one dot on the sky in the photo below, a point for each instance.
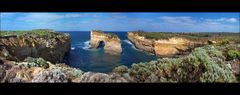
(122, 21)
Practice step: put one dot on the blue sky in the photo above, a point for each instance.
(128, 21)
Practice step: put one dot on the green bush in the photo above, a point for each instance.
(224, 42)
(45, 33)
(121, 69)
(70, 72)
(233, 54)
(226, 38)
(213, 67)
(35, 62)
(204, 64)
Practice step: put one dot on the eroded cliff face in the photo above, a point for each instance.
(163, 48)
(112, 42)
(52, 48)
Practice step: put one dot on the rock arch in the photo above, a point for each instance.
(112, 44)
(101, 44)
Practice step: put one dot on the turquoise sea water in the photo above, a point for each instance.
(97, 60)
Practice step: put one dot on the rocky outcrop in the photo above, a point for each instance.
(111, 41)
(51, 46)
(30, 71)
(169, 47)
(90, 77)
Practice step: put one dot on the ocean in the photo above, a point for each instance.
(96, 60)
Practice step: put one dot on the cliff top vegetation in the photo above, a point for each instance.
(111, 35)
(205, 64)
(48, 33)
(195, 36)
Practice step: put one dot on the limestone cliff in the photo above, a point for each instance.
(51, 46)
(164, 47)
(112, 42)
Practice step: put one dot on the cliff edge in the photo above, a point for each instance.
(18, 45)
(163, 47)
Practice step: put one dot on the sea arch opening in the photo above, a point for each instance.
(101, 44)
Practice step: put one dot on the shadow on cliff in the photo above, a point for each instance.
(101, 45)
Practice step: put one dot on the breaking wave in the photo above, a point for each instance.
(127, 41)
(86, 45)
(72, 48)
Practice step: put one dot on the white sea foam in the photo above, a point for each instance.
(127, 41)
(72, 48)
(86, 45)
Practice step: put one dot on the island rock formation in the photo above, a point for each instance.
(164, 47)
(112, 44)
(51, 46)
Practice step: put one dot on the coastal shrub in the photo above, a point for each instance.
(204, 64)
(230, 51)
(140, 72)
(70, 72)
(75, 72)
(224, 42)
(224, 38)
(33, 62)
(217, 73)
(20, 33)
(215, 68)
(213, 52)
(233, 54)
(44, 33)
(121, 69)
(112, 35)
(50, 76)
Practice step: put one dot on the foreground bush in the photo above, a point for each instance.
(33, 62)
(233, 54)
(205, 64)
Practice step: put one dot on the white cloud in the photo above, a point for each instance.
(230, 20)
(73, 15)
(178, 20)
(40, 17)
(185, 23)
